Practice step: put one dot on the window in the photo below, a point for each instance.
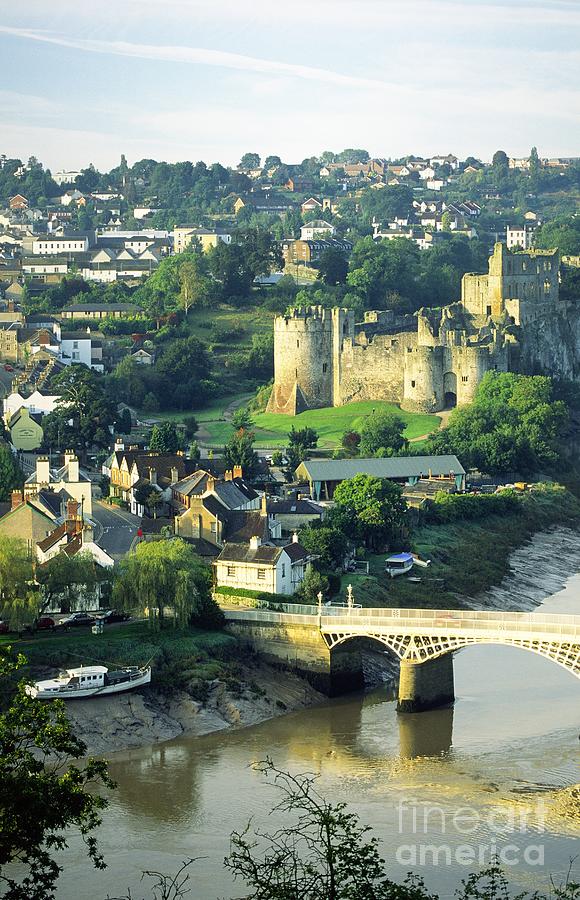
(75, 354)
(324, 368)
(412, 384)
(75, 345)
(261, 574)
(283, 570)
(213, 528)
(297, 343)
(465, 378)
(488, 310)
(231, 571)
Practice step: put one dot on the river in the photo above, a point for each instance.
(510, 742)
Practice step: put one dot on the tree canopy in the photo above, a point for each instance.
(375, 508)
(167, 575)
(382, 434)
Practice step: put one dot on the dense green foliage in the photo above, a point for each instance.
(374, 509)
(239, 451)
(167, 575)
(84, 412)
(164, 438)
(11, 476)
(43, 793)
(381, 434)
(515, 425)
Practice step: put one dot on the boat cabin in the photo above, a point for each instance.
(398, 564)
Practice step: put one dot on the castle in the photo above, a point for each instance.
(434, 359)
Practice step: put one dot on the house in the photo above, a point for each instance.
(55, 244)
(427, 174)
(317, 228)
(73, 196)
(69, 477)
(134, 473)
(101, 311)
(448, 160)
(262, 567)
(66, 177)
(212, 509)
(81, 347)
(25, 430)
(309, 252)
(520, 238)
(185, 235)
(143, 357)
(23, 518)
(323, 475)
(18, 202)
(263, 202)
(299, 185)
(311, 204)
(293, 514)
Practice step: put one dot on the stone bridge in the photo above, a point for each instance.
(324, 643)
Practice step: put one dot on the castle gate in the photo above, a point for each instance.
(450, 389)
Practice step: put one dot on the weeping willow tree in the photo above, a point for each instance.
(168, 582)
(19, 597)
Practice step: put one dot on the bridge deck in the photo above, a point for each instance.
(484, 624)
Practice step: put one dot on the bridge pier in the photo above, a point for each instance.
(426, 685)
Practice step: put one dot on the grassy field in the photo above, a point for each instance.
(271, 429)
(247, 321)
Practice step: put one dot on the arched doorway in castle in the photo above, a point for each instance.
(450, 389)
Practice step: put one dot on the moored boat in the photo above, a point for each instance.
(90, 681)
(399, 564)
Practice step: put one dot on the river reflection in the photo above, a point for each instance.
(512, 735)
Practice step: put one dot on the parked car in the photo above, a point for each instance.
(8, 368)
(76, 620)
(45, 622)
(113, 615)
(4, 627)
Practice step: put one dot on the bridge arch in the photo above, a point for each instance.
(419, 648)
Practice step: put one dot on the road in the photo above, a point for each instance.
(115, 529)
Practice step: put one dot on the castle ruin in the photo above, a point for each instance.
(434, 359)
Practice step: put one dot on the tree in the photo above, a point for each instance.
(535, 165)
(123, 424)
(84, 411)
(332, 267)
(321, 852)
(375, 506)
(42, 793)
(271, 162)
(164, 438)
(382, 434)
(249, 161)
(165, 575)
(242, 418)
(194, 283)
(326, 542)
(313, 584)
(500, 161)
(68, 578)
(19, 599)
(11, 476)
(351, 441)
(239, 451)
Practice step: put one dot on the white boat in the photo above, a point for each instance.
(399, 564)
(89, 681)
(423, 563)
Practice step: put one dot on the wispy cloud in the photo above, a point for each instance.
(200, 56)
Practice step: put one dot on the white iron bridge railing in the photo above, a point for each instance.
(416, 620)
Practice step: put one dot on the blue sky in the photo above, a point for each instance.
(181, 79)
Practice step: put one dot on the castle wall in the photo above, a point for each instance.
(303, 355)
(375, 371)
(423, 369)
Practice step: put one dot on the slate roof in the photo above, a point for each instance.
(245, 524)
(296, 507)
(391, 467)
(265, 553)
(232, 494)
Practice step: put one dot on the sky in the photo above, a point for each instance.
(83, 82)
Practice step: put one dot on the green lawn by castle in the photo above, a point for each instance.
(272, 429)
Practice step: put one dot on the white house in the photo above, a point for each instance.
(53, 244)
(427, 174)
(522, 238)
(66, 177)
(318, 228)
(69, 478)
(36, 404)
(262, 567)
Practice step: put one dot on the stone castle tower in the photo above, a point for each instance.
(426, 362)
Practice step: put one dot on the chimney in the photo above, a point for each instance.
(295, 537)
(119, 443)
(255, 542)
(73, 523)
(73, 467)
(237, 471)
(210, 487)
(264, 505)
(174, 475)
(42, 470)
(17, 498)
(228, 475)
(152, 475)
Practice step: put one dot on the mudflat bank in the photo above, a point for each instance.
(138, 718)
